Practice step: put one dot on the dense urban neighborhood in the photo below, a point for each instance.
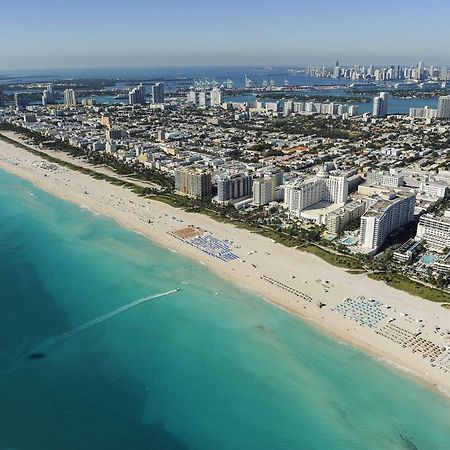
(367, 190)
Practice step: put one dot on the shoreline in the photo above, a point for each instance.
(258, 257)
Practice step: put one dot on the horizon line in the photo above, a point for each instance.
(181, 66)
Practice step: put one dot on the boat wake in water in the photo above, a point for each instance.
(41, 350)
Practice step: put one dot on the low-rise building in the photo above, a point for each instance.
(384, 179)
(407, 251)
(434, 189)
(337, 220)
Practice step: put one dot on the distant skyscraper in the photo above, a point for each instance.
(337, 70)
(202, 99)
(70, 98)
(48, 96)
(20, 100)
(380, 105)
(137, 95)
(353, 110)
(443, 111)
(216, 96)
(288, 107)
(192, 97)
(158, 93)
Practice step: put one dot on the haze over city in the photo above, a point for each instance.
(112, 33)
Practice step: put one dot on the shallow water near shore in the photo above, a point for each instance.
(192, 370)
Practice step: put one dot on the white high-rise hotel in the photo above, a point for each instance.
(385, 214)
(435, 231)
(300, 194)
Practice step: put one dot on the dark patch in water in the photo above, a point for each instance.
(343, 414)
(166, 440)
(407, 442)
(85, 401)
(36, 355)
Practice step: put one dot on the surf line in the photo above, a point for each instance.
(39, 351)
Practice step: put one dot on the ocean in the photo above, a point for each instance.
(212, 367)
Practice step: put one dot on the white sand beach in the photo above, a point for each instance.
(284, 276)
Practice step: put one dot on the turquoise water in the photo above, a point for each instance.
(428, 259)
(349, 240)
(189, 371)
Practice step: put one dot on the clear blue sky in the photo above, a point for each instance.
(94, 33)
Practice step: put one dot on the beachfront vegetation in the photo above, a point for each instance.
(346, 262)
(160, 180)
(403, 283)
(95, 174)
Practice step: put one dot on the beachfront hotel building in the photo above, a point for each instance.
(300, 194)
(70, 98)
(193, 182)
(233, 187)
(264, 190)
(435, 231)
(386, 213)
(268, 186)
